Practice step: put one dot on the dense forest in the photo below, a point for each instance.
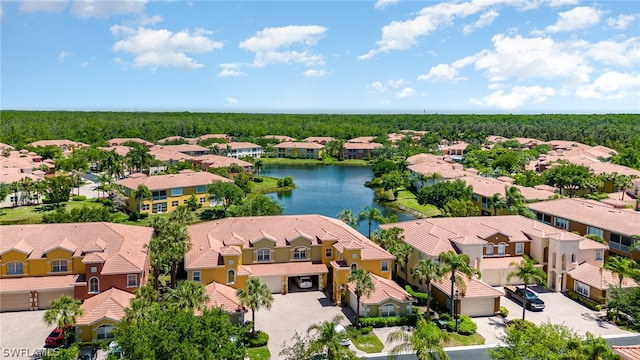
(21, 127)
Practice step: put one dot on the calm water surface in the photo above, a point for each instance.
(327, 190)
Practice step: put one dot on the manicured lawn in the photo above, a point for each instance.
(33, 214)
(259, 353)
(407, 200)
(268, 185)
(463, 340)
(368, 343)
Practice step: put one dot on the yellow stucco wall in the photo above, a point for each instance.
(89, 332)
(132, 203)
(42, 267)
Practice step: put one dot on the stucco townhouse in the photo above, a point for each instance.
(302, 150)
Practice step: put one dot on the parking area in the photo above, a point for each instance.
(558, 310)
(22, 334)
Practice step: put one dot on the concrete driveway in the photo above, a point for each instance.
(558, 310)
(22, 334)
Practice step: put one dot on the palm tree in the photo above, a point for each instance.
(371, 214)
(15, 187)
(256, 295)
(622, 183)
(64, 313)
(328, 340)
(168, 245)
(188, 295)
(258, 164)
(142, 192)
(425, 271)
(401, 250)
(529, 273)
(457, 264)
(424, 340)
(496, 202)
(347, 217)
(364, 286)
(596, 348)
(103, 180)
(181, 215)
(623, 267)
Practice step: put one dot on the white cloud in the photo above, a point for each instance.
(621, 22)
(30, 6)
(557, 3)
(269, 44)
(315, 73)
(577, 18)
(63, 55)
(232, 101)
(381, 4)
(149, 20)
(101, 8)
(230, 70)
(397, 83)
(446, 72)
(518, 96)
(155, 48)
(377, 86)
(611, 84)
(624, 53)
(405, 93)
(485, 20)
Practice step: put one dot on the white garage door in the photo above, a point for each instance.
(45, 297)
(353, 303)
(14, 302)
(478, 306)
(274, 283)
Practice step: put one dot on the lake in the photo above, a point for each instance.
(327, 190)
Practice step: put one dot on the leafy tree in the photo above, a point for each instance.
(181, 215)
(371, 214)
(142, 193)
(393, 181)
(516, 203)
(457, 264)
(64, 313)
(442, 192)
(623, 268)
(193, 203)
(118, 200)
(568, 178)
(243, 181)
(425, 271)
(258, 205)
(425, 341)
(364, 286)
(386, 238)
(5, 190)
(528, 178)
(225, 193)
(327, 340)
(58, 189)
(348, 217)
(496, 202)
(138, 157)
(286, 181)
(83, 214)
(103, 181)
(460, 208)
(256, 296)
(188, 295)
(529, 273)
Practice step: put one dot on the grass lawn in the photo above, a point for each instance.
(328, 161)
(33, 214)
(463, 340)
(407, 201)
(268, 185)
(259, 353)
(368, 343)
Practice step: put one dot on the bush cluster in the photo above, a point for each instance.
(378, 322)
(419, 296)
(466, 326)
(260, 338)
(593, 305)
(504, 312)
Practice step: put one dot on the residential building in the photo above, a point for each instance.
(322, 140)
(301, 150)
(455, 150)
(362, 139)
(428, 169)
(617, 227)
(224, 137)
(39, 263)
(238, 150)
(388, 299)
(207, 162)
(475, 298)
(178, 139)
(226, 298)
(277, 249)
(23, 168)
(166, 158)
(594, 282)
(357, 150)
(630, 352)
(169, 191)
(101, 314)
(279, 138)
(485, 187)
(187, 149)
(122, 141)
(67, 146)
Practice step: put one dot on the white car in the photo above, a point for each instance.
(304, 282)
(344, 341)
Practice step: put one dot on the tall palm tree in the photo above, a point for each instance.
(364, 286)
(348, 217)
(327, 340)
(401, 250)
(425, 271)
(496, 202)
(424, 340)
(257, 165)
(188, 295)
(623, 267)
(64, 313)
(103, 180)
(15, 187)
(182, 215)
(622, 183)
(142, 193)
(529, 273)
(256, 295)
(457, 264)
(371, 214)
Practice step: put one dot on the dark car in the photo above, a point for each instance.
(88, 353)
(55, 338)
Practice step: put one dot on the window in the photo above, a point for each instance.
(94, 269)
(145, 207)
(475, 197)
(489, 249)
(94, 285)
(300, 253)
(159, 195)
(519, 248)
(591, 230)
(328, 252)
(562, 223)
(132, 280)
(599, 255)
(388, 310)
(544, 218)
(14, 268)
(159, 208)
(196, 276)
(581, 288)
(174, 203)
(264, 255)
(231, 277)
(59, 266)
(201, 189)
(619, 242)
(104, 332)
(384, 266)
(203, 200)
(354, 267)
(354, 256)
(573, 258)
(501, 248)
(176, 192)
(231, 262)
(485, 202)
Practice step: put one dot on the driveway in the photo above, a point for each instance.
(22, 334)
(558, 310)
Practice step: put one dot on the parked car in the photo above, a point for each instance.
(342, 332)
(88, 352)
(304, 282)
(115, 351)
(55, 338)
(534, 303)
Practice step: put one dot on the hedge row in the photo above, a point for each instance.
(421, 298)
(593, 305)
(379, 322)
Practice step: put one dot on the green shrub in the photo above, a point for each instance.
(519, 324)
(504, 312)
(78, 198)
(378, 322)
(260, 338)
(258, 179)
(419, 296)
(365, 330)
(445, 317)
(467, 326)
(593, 305)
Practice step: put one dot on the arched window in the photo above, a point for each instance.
(489, 249)
(501, 248)
(104, 332)
(231, 276)
(354, 267)
(300, 253)
(264, 255)
(388, 310)
(94, 285)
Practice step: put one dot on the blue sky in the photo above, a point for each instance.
(389, 56)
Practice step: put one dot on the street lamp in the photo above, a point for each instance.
(456, 309)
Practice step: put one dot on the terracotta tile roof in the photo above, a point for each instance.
(492, 263)
(222, 296)
(162, 154)
(124, 245)
(119, 149)
(64, 244)
(5, 146)
(622, 221)
(361, 146)
(39, 283)
(298, 145)
(57, 143)
(474, 287)
(629, 352)
(217, 161)
(599, 278)
(213, 136)
(208, 238)
(181, 148)
(280, 138)
(361, 139)
(120, 141)
(319, 139)
(431, 164)
(162, 182)
(238, 145)
(489, 186)
(21, 246)
(384, 289)
(290, 269)
(110, 304)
